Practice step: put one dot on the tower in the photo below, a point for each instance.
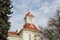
(29, 18)
(30, 31)
(29, 22)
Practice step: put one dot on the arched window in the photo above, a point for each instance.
(34, 37)
(29, 37)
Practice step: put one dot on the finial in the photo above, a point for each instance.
(28, 10)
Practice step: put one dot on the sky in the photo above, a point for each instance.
(41, 9)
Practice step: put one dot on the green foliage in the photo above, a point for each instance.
(5, 11)
(53, 30)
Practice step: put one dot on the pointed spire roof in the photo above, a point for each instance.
(29, 14)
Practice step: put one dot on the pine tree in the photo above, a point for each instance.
(5, 11)
(53, 31)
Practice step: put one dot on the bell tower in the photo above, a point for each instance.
(29, 21)
(29, 18)
(30, 31)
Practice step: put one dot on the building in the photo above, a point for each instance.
(28, 32)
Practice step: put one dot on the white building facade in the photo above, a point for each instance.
(28, 32)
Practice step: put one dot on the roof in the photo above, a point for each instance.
(29, 14)
(12, 33)
(26, 26)
(30, 26)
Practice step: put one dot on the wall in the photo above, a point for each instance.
(26, 34)
(14, 38)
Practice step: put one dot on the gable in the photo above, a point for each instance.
(30, 26)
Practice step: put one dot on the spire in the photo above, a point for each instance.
(29, 21)
(28, 14)
(28, 10)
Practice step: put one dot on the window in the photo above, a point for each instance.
(29, 37)
(35, 37)
(30, 19)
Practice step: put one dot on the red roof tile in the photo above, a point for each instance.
(28, 14)
(30, 26)
(12, 33)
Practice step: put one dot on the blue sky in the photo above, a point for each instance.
(41, 9)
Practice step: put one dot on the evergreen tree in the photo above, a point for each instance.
(53, 30)
(5, 11)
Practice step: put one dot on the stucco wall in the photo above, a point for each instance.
(14, 38)
(26, 34)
